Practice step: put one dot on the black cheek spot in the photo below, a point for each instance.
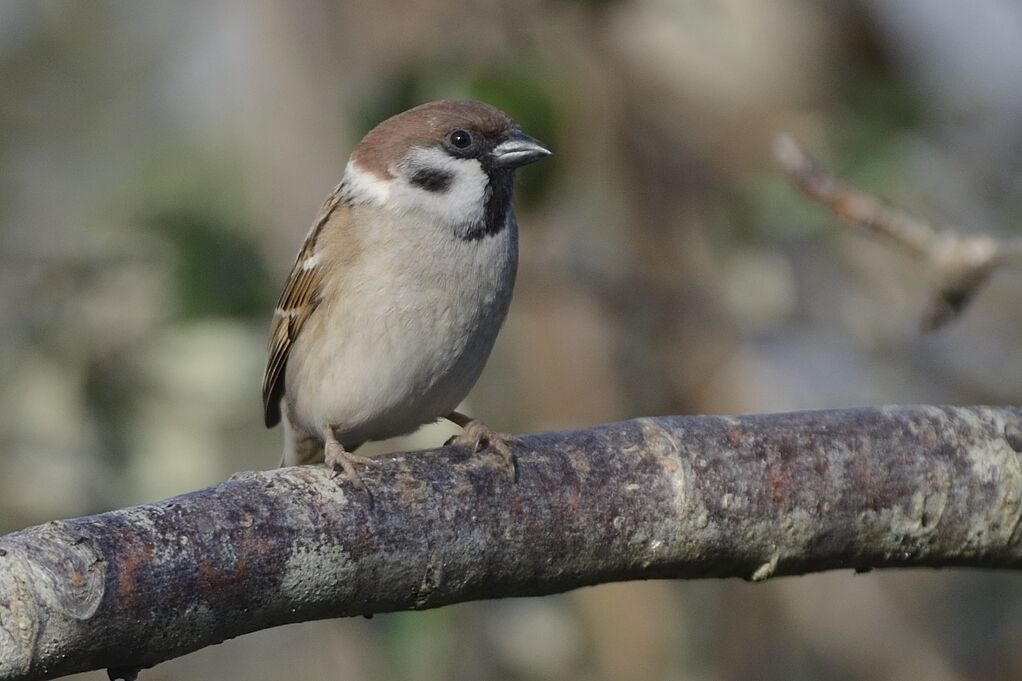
(432, 180)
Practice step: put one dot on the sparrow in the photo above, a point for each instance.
(398, 292)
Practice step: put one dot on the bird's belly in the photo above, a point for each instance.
(406, 355)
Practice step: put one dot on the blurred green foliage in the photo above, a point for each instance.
(218, 271)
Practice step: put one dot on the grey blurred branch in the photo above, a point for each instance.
(677, 496)
(962, 262)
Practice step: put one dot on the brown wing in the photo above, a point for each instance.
(297, 302)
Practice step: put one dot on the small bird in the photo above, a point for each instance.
(395, 300)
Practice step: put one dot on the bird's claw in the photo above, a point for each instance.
(477, 436)
(342, 462)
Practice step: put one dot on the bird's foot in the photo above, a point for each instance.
(477, 436)
(341, 461)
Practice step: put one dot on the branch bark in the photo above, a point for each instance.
(677, 496)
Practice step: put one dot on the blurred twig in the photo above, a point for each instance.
(693, 496)
(962, 262)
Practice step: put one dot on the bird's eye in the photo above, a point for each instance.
(460, 139)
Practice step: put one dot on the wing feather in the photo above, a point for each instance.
(296, 304)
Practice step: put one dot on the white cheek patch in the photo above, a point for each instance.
(364, 186)
(462, 201)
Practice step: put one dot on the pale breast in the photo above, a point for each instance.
(405, 331)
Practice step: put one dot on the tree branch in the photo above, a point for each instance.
(678, 496)
(962, 262)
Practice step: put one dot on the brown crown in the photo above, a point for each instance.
(425, 124)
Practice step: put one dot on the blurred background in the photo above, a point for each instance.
(161, 162)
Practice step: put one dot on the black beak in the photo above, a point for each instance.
(518, 150)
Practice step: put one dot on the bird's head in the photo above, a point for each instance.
(452, 161)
